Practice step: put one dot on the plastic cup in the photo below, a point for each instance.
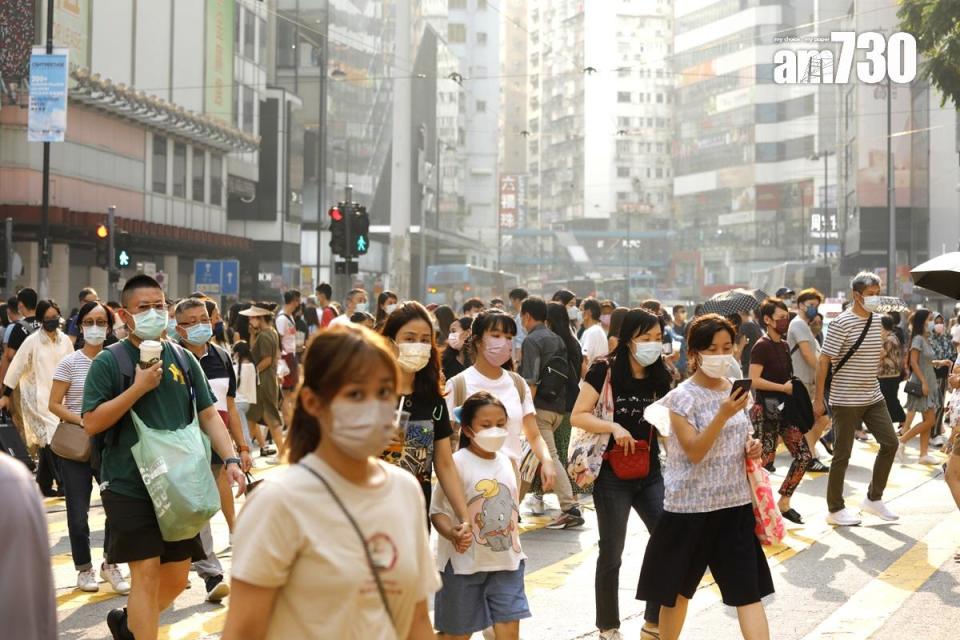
(150, 351)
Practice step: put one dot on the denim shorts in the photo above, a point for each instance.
(469, 604)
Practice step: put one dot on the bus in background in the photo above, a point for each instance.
(795, 275)
(452, 284)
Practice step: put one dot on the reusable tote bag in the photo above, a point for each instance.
(175, 467)
(769, 527)
(585, 453)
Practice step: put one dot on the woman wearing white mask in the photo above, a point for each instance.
(386, 303)
(492, 346)
(425, 446)
(95, 321)
(349, 553)
(629, 380)
(708, 516)
(456, 357)
(922, 366)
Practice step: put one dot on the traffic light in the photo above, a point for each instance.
(338, 231)
(103, 246)
(360, 230)
(124, 257)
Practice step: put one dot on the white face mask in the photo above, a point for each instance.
(871, 303)
(361, 307)
(413, 356)
(390, 308)
(94, 335)
(573, 313)
(490, 440)
(646, 353)
(362, 429)
(717, 366)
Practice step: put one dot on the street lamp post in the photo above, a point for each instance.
(891, 197)
(44, 244)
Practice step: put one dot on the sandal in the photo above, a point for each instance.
(649, 633)
(792, 515)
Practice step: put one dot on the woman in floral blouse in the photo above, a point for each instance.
(890, 371)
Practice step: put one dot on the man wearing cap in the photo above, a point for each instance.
(787, 295)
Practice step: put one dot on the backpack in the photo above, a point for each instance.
(554, 379)
(28, 327)
(126, 372)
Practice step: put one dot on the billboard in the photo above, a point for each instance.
(513, 201)
(71, 29)
(47, 120)
(218, 72)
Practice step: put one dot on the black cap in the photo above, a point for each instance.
(785, 291)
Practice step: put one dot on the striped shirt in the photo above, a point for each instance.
(855, 385)
(73, 369)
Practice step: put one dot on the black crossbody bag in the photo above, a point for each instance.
(366, 550)
(853, 350)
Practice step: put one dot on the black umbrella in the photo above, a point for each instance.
(941, 274)
(735, 301)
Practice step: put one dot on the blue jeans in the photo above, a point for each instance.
(78, 478)
(613, 498)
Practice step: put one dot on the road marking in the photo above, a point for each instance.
(75, 599)
(199, 625)
(869, 609)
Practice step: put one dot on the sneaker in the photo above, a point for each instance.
(938, 441)
(217, 589)
(770, 468)
(928, 460)
(111, 573)
(902, 453)
(611, 634)
(268, 450)
(567, 520)
(535, 504)
(87, 581)
(843, 518)
(877, 508)
(817, 466)
(117, 623)
(862, 436)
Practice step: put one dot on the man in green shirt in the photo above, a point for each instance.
(162, 399)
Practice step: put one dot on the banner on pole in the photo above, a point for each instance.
(47, 121)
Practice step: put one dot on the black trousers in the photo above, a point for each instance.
(48, 470)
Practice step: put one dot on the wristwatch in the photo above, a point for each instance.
(235, 461)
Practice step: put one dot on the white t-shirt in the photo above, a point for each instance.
(246, 382)
(342, 319)
(292, 536)
(955, 333)
(594, 343)
(505, 391)
(490, 487)
(287, 329)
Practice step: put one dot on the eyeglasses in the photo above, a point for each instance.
(91, 323)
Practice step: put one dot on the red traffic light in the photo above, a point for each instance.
(335, 214)
(102, 231)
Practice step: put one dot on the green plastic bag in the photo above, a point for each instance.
(175, 467)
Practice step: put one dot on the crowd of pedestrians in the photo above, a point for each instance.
(407, 419)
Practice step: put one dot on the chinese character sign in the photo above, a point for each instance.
(48, 96)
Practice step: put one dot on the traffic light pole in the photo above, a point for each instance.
(111, 247)
(346, 228)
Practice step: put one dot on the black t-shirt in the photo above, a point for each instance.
(452, 366)
(19, 334)
(429, 422)
(213, 367)
(752, 331)
(629, 403)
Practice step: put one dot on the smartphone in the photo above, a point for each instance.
(744, 383)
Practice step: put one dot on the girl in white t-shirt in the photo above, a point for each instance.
(482, 581)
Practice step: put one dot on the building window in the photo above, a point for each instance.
(456, 32)
(216, 179)
(623, 96)
(481, 38)
(159, 164)
(457, 4)
(262, 40)
(481, 106)
(659, 172)
(622, 196)
(236, 105)
(248, 107)
(179, 170)
(659, 98)
(623, 172)
(199, 171)
(249, 35)
(286, 44)
(481, 5)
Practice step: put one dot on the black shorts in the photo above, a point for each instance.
(683, 545)
(135, 533)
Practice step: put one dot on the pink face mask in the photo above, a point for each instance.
(497, 350)
(455, 341)
(938, 328)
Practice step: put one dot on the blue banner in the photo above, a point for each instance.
(48, 96)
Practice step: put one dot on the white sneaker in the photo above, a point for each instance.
(843, 518)
(87, 581)
(535, 504)
(877, 508)
(929, 460)
(902, 453)
(611, 634)
(938, 441)
(111, 573)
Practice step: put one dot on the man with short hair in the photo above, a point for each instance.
(804, 354)
(545, 367)
(852, 349)
(496, 303)
(680, 335)
(287, 330)
(324, 296)
(516, 297)
(87, 294)
(170, 394)
(195, 330)
(356, 302)
(472, 307)
(786, 294)
(13, 315)
(594, 338)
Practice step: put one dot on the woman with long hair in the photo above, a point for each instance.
(456, 357)
(386, 303)
(636, 376)
(445, 319)
(922, 363)
(491, 345)
(95, 322)
(341, 523)
(425, 446)
(613, 332)
(708, 512)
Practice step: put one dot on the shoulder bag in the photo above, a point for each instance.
(70, 441)
(586, 449)
(363, 541)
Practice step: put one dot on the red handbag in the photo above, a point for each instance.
(632, 466)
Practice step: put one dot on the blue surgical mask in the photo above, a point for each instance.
(150, 324)
(646, 353)
(811, 313)
(199, 334)
(930, 326)
(94, 335)
(172, 330)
